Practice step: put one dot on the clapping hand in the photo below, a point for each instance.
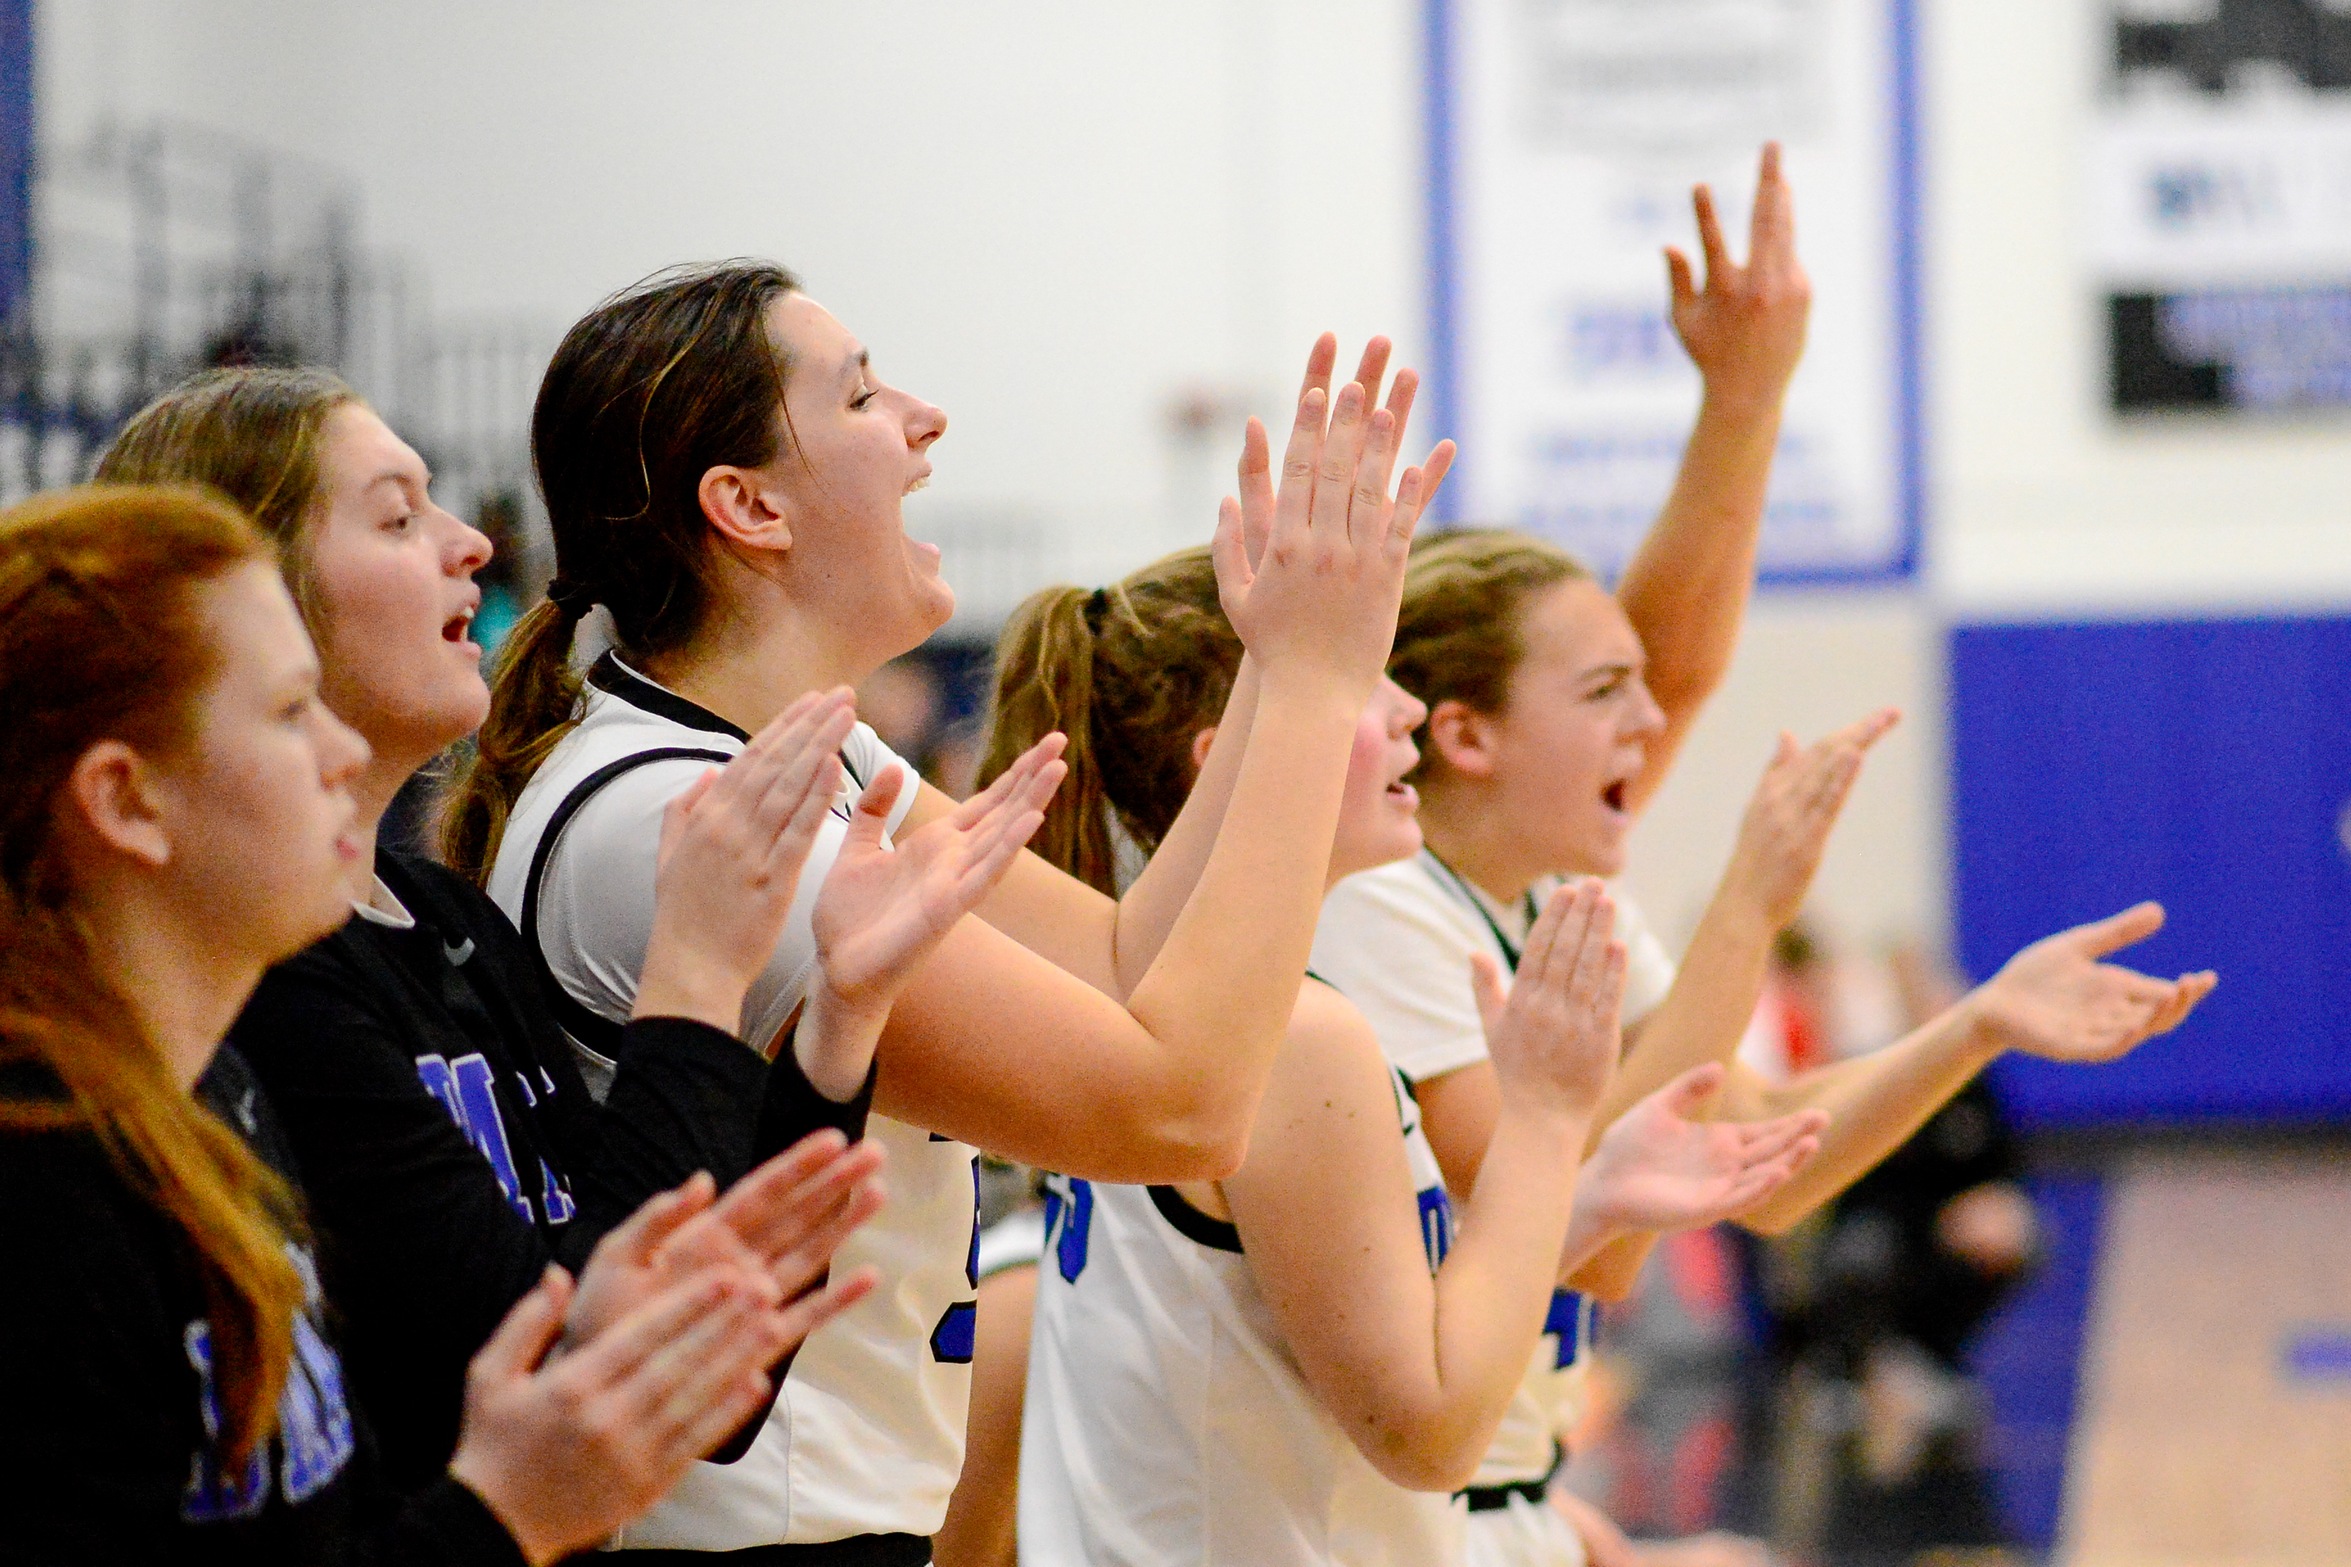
(1553, 1033)
(1660, 1167)
(1787, 825)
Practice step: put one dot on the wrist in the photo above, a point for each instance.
(478, 1475)
(834, 1044)
(1976, 1030)
(1305, 692)
(1754, 403)
(679, 982)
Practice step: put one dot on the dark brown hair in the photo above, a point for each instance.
(650, 391)
(255, 435)
(103, 636)
(1466, 594)
(1131, 674)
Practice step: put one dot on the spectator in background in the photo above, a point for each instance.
(910, 703)
(507, 595)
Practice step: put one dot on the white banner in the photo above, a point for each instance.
(1565, 136)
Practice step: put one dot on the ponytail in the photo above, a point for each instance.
(534, 702)
(646, 394)
(1131, 673)
(103, 636)
(1044, 682)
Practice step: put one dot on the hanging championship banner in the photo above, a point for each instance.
(1564, 138)
(2220, 203)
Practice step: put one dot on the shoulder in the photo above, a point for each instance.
(1384, 923)
(1329, 1056)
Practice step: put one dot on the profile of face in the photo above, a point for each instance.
(247, 827)
(832, 502)
(1557, 761)
(1379, 812)
(396, 596)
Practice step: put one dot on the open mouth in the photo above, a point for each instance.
(919, 481)
(457, 627)
(1614, 796)
(1404, 794)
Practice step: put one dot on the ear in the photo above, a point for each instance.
(110, 797)
(742, 504)
(1200, 744)
(1463, 738)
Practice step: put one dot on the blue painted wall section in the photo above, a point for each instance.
(2206, 764)
(16, 155)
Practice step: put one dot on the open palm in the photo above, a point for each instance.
(885, 906)
(1660, 1168)
(2056, 999)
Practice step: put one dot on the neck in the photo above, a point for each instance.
(172, 974)
(755, 661)
(371, 793)
(1477, 844)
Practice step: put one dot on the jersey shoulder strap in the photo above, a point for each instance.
(600, 1034)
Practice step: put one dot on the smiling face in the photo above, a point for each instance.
(1378, 813)
(1553, 766)
(256, 808)
(854, 449)
(392, 578)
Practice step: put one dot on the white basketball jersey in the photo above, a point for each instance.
(867, 1434)
(1167, 1423)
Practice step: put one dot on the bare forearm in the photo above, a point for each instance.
(1219, 994)
(1148, 912)
(1494, 1288)
(1703, 1017)
(1686, 590)
(1609, 1272)
(1874, 1105)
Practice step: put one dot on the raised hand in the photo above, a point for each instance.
(1745, 327)
(1553, 1035)
(885, 907)
(2055, 999)
(565, 1451)
(732, 848)
(1311, 571)
(1787, 825)
(783, 1221)
(1659, 1167)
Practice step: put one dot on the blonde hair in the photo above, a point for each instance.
(1459, 637)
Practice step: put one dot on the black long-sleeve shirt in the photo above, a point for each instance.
(450, 1149)
(107, 1408)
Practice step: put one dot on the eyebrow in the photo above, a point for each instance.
(854, 366)
(1597, 671)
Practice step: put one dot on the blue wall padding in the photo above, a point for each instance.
(16, 154)
(2206, 764)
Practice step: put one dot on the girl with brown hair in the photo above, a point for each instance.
(450, 1147)
(724, 471)
(177, 815)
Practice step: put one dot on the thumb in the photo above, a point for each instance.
(660, 1216)
(1686, 1095)
(1229, 551)
(2134, 924)
(674, 814)
(1493, 997)
(872, 816)
(528, 1331)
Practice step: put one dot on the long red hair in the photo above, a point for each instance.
(103, 636)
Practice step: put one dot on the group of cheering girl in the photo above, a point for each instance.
(366, 1207)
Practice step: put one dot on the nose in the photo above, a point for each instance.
(925, 423)
(343, 752)
(469, 549)
(1649, 720)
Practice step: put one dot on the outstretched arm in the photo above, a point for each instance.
(2055, 999)
(1686, 590)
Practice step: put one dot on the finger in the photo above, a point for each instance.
(527, 1332)
(1414, 492)
(1367, 510)
(1686, 1095)
(1371, 369)
(812, 1311)
(805, 1262)
(1334, 478)
(657, 1219)
(770, 1187)
(871, 818)
(1767, 1140)
(1010, 782)
(720, 1417)
(1680, 285)
(813, 770)
(1295, 496)
(1718, 256)
(1228, 550)
(674, 814)
(621, 1350)
(1401, 397)
(1486, 987)
(1256, 481)
(662, 1394)
(1772, 239)
(1559, 928)
(2115, 932)
(797, 1222)
(1319, 361)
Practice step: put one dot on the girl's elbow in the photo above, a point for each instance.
(1427, 1459)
